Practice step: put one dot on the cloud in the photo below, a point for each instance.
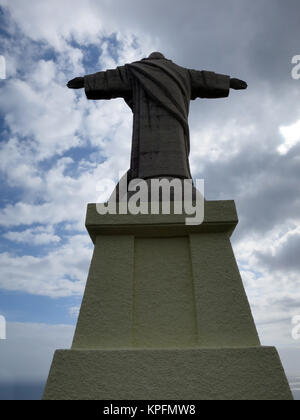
(38, 236)
(62, 272)
(291, 137)
(283, 257)
(44, 114)
(41, 21)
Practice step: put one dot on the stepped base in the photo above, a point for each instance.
(168, 374)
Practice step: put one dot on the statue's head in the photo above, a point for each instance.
(155, 56)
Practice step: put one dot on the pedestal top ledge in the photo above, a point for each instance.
(219, 216)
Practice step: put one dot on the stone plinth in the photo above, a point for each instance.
(165, 316)
(253, 373)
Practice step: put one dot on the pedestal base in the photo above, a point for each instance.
(165, 316)
(168, 374)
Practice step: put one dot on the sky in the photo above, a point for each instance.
(56, 147)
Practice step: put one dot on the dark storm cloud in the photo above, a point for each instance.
(235, 35)
(264, 184)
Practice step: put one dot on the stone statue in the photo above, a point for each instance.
(159, 92)
(164, 313)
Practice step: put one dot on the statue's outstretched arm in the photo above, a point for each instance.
(107, 84)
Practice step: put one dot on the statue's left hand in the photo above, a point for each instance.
(238, 84)
(77, 83)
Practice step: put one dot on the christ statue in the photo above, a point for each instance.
(158, 92)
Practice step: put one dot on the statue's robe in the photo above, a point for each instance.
(158, 92)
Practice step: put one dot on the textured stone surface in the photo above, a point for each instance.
(223, 313)
(199, 374)
(165, 316)
(165, 289)
(164, 307)
(105, 318)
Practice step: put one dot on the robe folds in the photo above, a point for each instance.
(159, 93)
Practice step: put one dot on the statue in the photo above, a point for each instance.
(158, 92)
(164, 313)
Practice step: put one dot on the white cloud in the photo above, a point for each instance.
(58, 23)
(38, 236)
(48, 115)
(291, 134)
(60, 273)
(54, 22)
(215, 143)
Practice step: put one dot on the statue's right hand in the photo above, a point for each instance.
(238, 84)
(77, 83)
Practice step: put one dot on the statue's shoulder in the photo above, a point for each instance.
(179, 69)
(146, 65)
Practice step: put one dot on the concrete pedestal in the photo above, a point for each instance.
(165, 316)
(253, 373)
